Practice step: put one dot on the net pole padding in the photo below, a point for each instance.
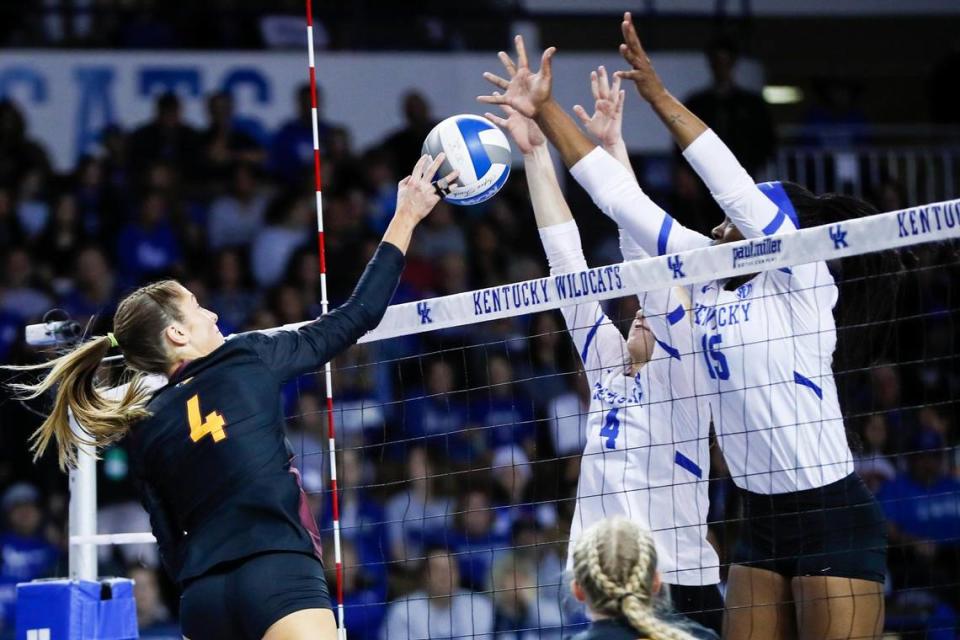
(932, 222)
(82, 514)
(324, 308)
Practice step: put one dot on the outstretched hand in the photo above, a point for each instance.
(525, 91)
(606, 123)
(416, 194)
(524, 131)
(644, 76)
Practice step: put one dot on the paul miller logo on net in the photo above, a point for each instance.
(756, 252)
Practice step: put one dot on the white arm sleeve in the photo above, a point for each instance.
(616, 192)
(600, 344)
(734, 190)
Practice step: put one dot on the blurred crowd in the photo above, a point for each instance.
(459, 449)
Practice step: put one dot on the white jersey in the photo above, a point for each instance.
(767, 347)
(647, 455)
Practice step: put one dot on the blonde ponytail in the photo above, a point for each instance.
(101, 420)
(139, 324)
(615, 562)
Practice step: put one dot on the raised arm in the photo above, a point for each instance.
(753, 212)
(612, 186)
(600, 344)
(292, 353)
(530, 94)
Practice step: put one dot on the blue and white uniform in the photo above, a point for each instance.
(645, 458)
(766, 348)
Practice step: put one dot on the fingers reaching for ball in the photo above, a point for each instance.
(417, 194)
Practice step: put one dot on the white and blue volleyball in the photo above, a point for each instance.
(478, 150)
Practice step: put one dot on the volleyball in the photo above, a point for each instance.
(478, 150)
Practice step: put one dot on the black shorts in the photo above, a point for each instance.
(702, 604)
(242, 599)
(835, 530)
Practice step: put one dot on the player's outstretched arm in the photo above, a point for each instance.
(683, 125)
(731, 186)
(292, 353)
(549, 205)
(600, 344)
(530, 94)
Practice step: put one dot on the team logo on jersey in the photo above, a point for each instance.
(757, 252)
(744, 291)
(676, 265)
(839, 237)
(423, 308)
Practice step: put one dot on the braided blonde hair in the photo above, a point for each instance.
(615, 562)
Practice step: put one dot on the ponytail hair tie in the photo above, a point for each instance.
(113, 339)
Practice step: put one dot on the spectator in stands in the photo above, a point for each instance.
(417, 514)
(288, 224)
(516, 615)
(237, 217)
(232, 296)
(364, 601)
(514, 492)
(287, 305)
(153, 617)
(740, 117)
(543, 547)
(380, 182)
(505, 412)
(224, 143)
(362, 518)
(19, 155)
(10, 233)
(166, 138)
(567, 418)
(441, 609)
(148, 247)
(361, 409)
(303, 274)
(543, 380)
(836, 119)
(291, 151)
(872, 462)
(25, 553)
(477, 542)
(489, 256)
(441, 235)
(405, 144)
(923, 513)
(33, 204)
(21, 289)
(305, 431)
(98, 201)
(438, 416)
(63, 237)
(886, 398)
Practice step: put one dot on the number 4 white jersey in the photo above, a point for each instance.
(644, 458)
(647, 455)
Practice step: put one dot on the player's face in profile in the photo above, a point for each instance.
(640, 340)
(725, 232)
(200, 324)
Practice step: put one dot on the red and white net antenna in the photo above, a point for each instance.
(324, 305)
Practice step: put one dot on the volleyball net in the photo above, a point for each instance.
(463, 421)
